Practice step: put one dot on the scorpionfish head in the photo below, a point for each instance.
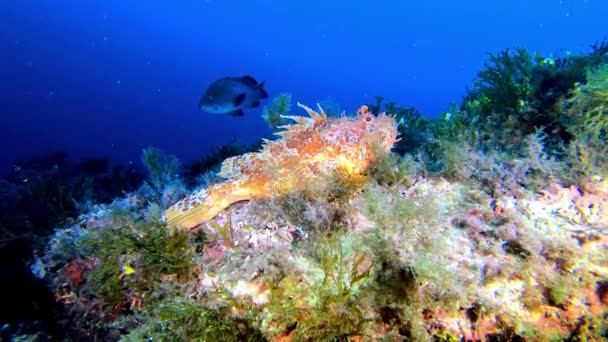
(381, 129)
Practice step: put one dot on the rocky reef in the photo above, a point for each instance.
(489, 223)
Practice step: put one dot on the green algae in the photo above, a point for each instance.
(135, 256)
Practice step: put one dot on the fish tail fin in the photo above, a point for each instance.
(203, 205)
(263, 93)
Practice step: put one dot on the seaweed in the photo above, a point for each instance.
(182, 319)
(162, 168)
(273, 112)
(344, 183)
(135, 255)
(394, 170)
(328, 303)
(518, 93)
(505, 83)
(587, 120)
(455, 135)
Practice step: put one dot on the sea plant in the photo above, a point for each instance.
(587, 120)
(182, 319)
(394, 170)
(162, 168)
(504, 86)
(327, 301)
(272, 113)
(135, 255)
(518, 93)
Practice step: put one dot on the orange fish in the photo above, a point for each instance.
(309, 149)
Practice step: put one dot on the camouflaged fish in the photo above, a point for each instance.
(309, 149)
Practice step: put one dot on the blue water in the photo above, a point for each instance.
(107, 78)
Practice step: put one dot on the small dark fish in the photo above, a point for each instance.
(231, 95)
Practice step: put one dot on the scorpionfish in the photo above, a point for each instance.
(308, 149)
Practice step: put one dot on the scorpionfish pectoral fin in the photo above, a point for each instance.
(205, 204)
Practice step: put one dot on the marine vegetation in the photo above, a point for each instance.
(137, 254)
(587, 121)
(163, 180)
(36, 196)
(115, 262)
(516, 99)
(321, 303)
(274, 113)
(182, 319)
(162, 168)
(517, 93)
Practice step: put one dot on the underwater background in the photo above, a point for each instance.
(227, 171)
(105, 79)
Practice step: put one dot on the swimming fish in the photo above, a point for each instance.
(231, 95)
(307, 152)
